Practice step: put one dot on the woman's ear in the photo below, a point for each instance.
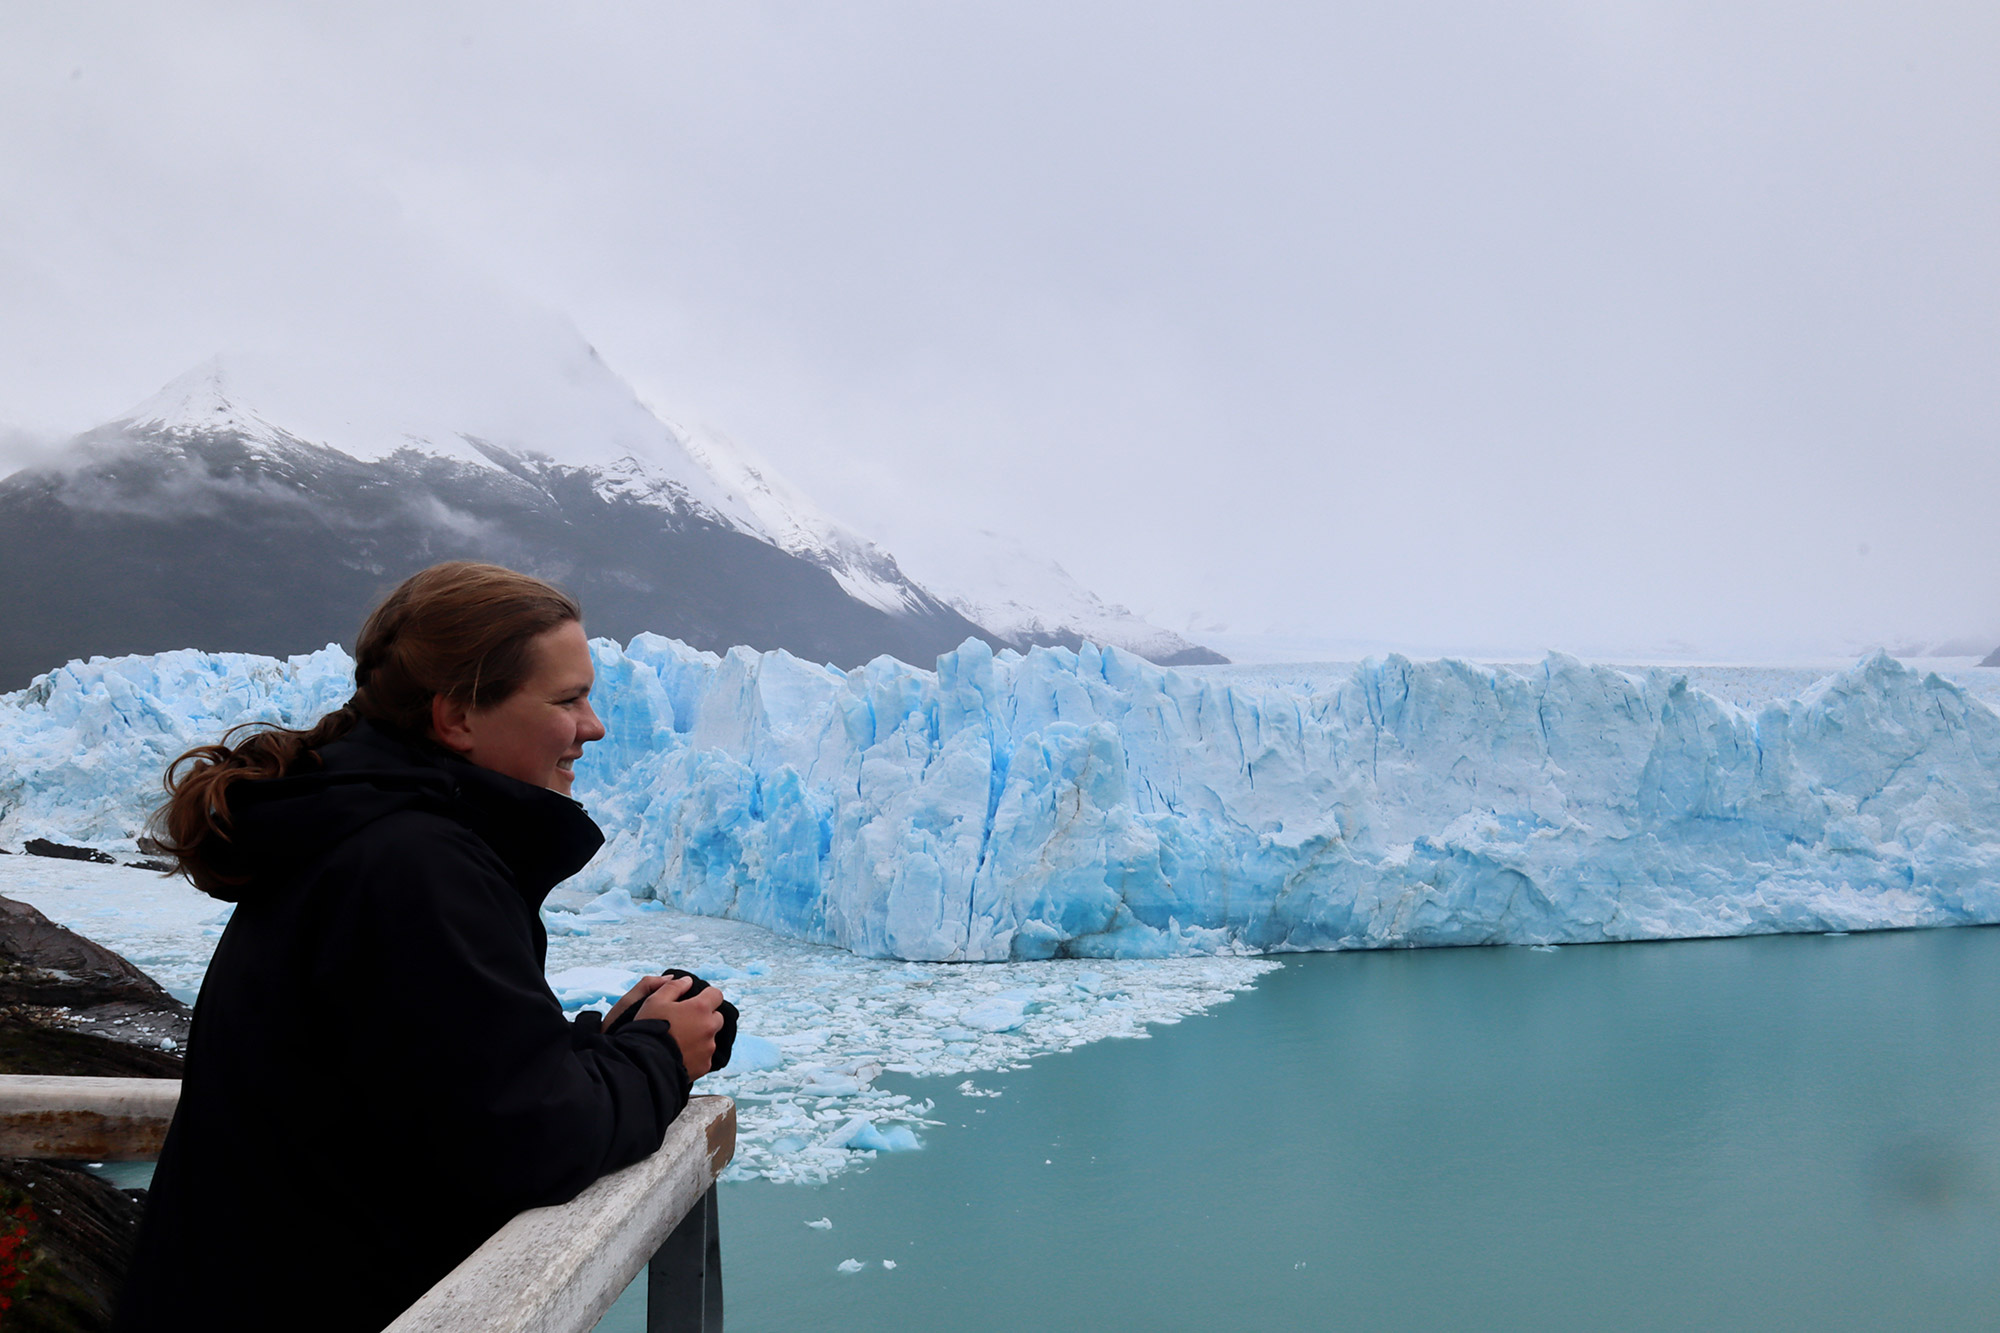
(451, 724)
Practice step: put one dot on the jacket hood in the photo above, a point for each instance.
(279, 825)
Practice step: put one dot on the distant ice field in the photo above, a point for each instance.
(819, 1025)
(1745, 686)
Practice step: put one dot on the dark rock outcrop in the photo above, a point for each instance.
(68, 1005)
(63, 851)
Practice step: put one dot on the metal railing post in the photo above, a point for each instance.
(684, 1279)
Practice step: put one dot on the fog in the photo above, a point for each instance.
(1630, 330)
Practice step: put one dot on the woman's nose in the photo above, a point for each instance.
(590, 729)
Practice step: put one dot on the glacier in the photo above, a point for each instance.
(1092, 805)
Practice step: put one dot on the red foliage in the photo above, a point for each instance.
(14, 1248)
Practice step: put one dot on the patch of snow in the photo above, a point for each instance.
(198, 402)
(765, 503)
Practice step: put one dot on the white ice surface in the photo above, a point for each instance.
(832, 1022)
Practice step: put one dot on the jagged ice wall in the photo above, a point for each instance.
(1091, 804)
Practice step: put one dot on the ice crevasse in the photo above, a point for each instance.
(1092, 804)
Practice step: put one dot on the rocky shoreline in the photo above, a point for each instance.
(69, 1006)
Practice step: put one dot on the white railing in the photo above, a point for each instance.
(86, 1119)
(550, 1270)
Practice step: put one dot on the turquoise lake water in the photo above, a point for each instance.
(1776, 1133)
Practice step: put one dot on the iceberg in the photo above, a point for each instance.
(1089, 804)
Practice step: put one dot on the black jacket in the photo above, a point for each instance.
(378, 1076)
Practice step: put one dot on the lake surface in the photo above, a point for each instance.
(1773, 1133)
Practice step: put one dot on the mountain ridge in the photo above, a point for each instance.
(196, 519)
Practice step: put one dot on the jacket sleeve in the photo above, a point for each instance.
(474, 1068)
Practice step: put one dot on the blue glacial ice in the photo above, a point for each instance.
(1092, 805)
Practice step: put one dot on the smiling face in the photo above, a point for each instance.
(537, 733)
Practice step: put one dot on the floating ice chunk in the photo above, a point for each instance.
(889, 1263)
(615, 904)
(563, 923)
(844, 1136)
(1001, 1013)
(896, 1138)
(821, 1224)
(580, 986)
(851, 1265)
(797, 1043)
(755, 1053)
(862, 1134)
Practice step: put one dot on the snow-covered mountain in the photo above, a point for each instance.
(233, 510)
(257, 508)
(598, 426)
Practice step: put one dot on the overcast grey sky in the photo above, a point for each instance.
(1605, 326)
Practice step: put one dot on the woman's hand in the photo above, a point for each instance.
(646, 986)
(695, 1022)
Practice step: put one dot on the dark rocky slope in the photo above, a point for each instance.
(68, 1005)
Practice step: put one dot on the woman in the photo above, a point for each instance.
(378, 1076)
